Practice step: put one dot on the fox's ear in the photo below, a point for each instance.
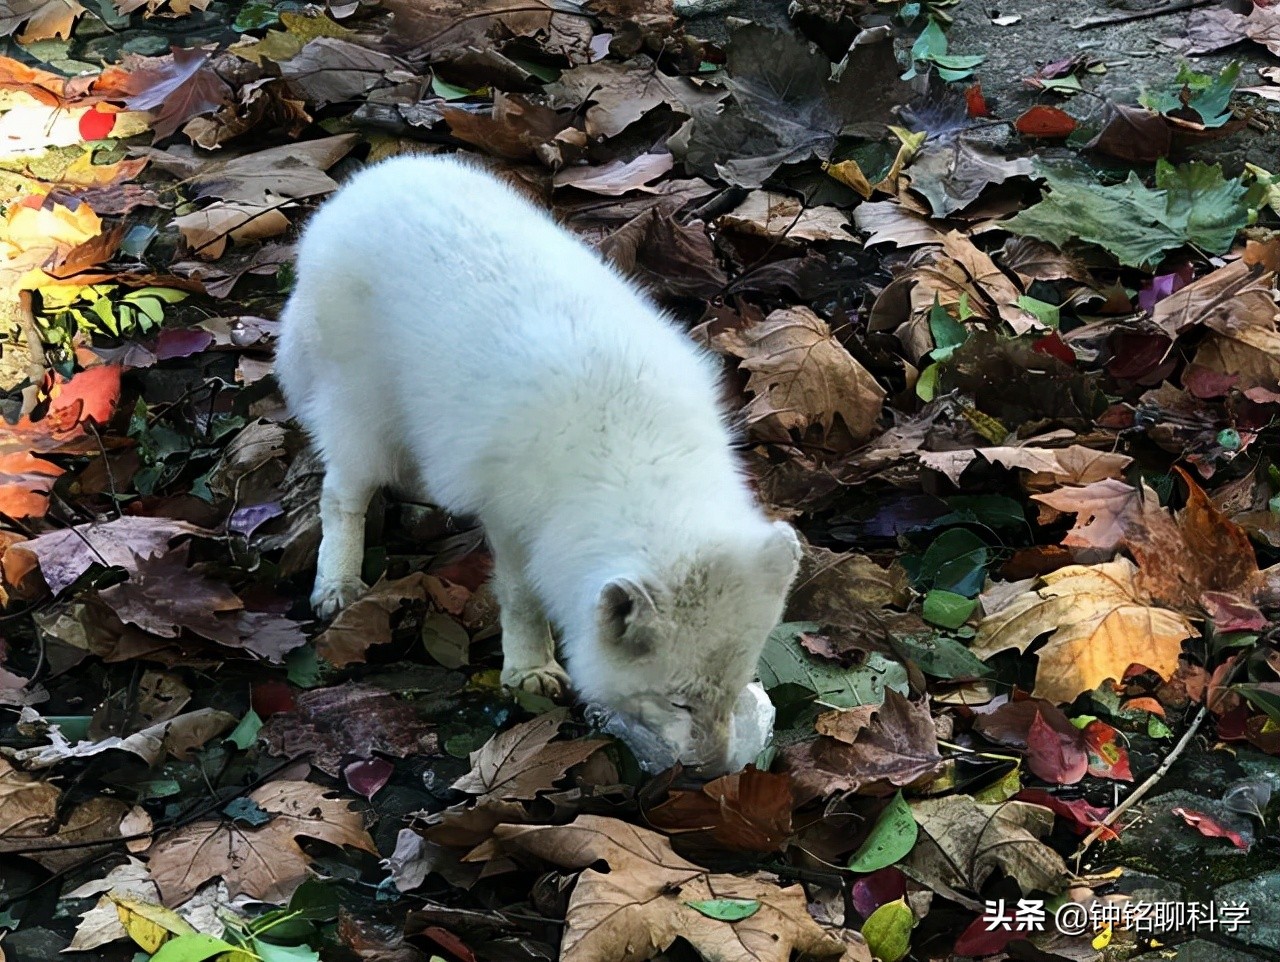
(782, 552)
(623, 606)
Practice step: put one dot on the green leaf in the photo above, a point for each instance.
(445, 640)
(940, 656)
(1265, 698)
(170, 295)
(955, 561)
(888, 931)
(927, 383)
(1207, 95)
(784, 662)
(891, 838)
(726, 910)
(1046, 313)
(1207, 207)
(948, 609)
(270, 952)
(246, 733)
(1191, 203)
(254, 15)
(948, 333)
(442, 88)
(196, 947)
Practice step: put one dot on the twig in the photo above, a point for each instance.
(1168, 8)
(1136, 795)
(37, 363)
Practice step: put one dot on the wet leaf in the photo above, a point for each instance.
(891, 838)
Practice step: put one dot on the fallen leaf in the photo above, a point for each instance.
(44, 19)
(63, 556)
(331, 70)
(177, 86)
(208, 231)
(745, 811)
(781, 217)
(522, 761)
(615, 177)
(1099, 623)
(898, 748)
(1209, 827)
(801, 376)
(265, 862)
(962, 843)
(367, 620)
(331, 726)
(639, 906)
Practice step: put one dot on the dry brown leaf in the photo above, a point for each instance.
(991, 284)
(89, 830)
(522, 761)
(746, 811)
(333, 725)
(1237, 295)
(622, 93)
(65, 555)
(1103, 509)
(845, 724)
(207, 231)
(27, 806)
(889, 222)
(800, 374)
(665, 256)
(1101, 622)
(615, 177)
(265, 862)
(1199, 550)
(833, 587)
(332, 70)
(780, 216)
(176, 736)
(1049, 467)
(44, 19)
(899, 747)
(367, 620)
(639, 906)
(962, 842)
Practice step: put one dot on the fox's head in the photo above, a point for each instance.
(674, 649)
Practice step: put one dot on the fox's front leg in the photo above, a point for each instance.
(528, 649)
(343, 503)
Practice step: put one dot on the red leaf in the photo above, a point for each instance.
(91, 395)
(1206, 826)
(1055, 756)
(271, 697)
(978, 941)
(879, 888)
(975, 102)
(1043, 121)
(1055, 346)
(1107, 758)
(1084, 818)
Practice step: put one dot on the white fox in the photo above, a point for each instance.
(446, 337)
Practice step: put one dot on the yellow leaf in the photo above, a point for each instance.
(1101, 623)
(148, 924)
(286, 44)
(36, 228)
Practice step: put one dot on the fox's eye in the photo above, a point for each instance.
(682, 706)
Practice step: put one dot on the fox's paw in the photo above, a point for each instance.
(549, 680)
(329, 598)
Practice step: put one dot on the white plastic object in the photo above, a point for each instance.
(750, 729)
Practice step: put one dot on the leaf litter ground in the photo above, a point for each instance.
(1009, 359)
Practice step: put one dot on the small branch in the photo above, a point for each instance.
(37, 363)
(1137, 794)
(1154, 12)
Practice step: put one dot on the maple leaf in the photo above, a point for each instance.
(522, 761)
(266, 862)
(961, 842)
(333, 725)
(63, 556)
(180, 84)
(640, 906)
(44, 18)
(1100, 621)
(745, 811)
(27, 806)
(367, 620)
(897, 748)
(1102, 510)
(800, 374)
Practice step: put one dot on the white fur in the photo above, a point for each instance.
(448, 338)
